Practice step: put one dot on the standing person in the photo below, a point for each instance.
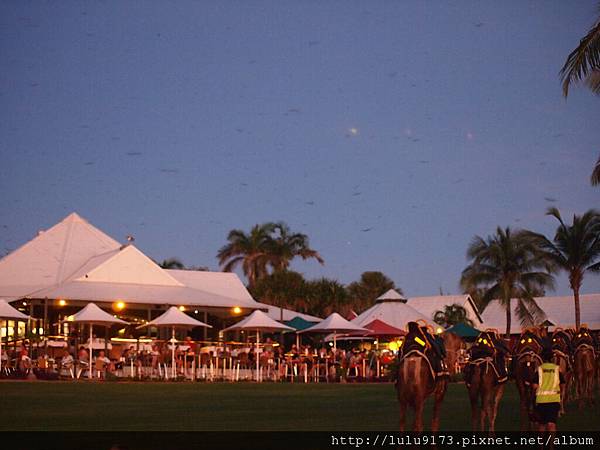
(547, 392)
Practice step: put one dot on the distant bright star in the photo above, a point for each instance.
(353, 131)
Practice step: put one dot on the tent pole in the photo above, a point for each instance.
(334, 342)
(257, 357)
(1, 350)
(173, 370)
(91, 350)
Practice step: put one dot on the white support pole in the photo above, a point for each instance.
(257, 357)
(173, 369)
(91, 352)
(334, 343)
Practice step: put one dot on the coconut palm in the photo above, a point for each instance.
(451, 315)
(252, 251)
(583, 63)
(288, 245)
(509, 265)
(574, 249)
(371, 285)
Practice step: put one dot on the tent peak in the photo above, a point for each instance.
(391, 296)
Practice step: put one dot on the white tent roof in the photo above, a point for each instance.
(334, 323)
(92, 314)
(52, 256)
(10, 313)
(392, 294)
(560, 312)
(75, 261)
(173, 317)
(396, 314)
(259, 321)
(428, 306)
(274, 312)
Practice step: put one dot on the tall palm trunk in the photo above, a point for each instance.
(575, 280)
(577, 308)
(508, 320)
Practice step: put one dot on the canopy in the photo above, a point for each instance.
(463, 330)
(7, 312)
(299, 323)
(94, 315)
(380, 328)
(259, 321)
(173, 317)
(334, 323)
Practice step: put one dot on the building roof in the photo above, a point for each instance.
(428, 306)
(274, 313)
(396, 314)
(73, 260)
(52, 256)
(559, 311)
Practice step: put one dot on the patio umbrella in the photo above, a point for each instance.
(258, 321)
(379, 328)
(93, 315)
(7, 312)
(174, 318)
(464, 331)
(334, 324)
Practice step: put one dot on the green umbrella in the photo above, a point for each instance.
(463, 330)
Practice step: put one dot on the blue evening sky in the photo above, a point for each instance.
(390, 132)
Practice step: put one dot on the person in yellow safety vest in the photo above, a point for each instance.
(547, 392)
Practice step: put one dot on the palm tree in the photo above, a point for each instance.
(574, 249)
(288, 245)
(451, 315)
(172, 263)
(583, 64)
(252, 251)
(508, 265)
(286, 289)
(371, 285)
(326, 296)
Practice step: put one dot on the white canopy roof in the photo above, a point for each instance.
(428, 306)
(10, 313)
(334, 323)
(396, 314)
(392, 294)
(75, 261)
(274, 312)
(559, 311)
(259, 321)
(92, 314)
(173, 317)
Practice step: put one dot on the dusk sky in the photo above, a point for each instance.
(390, 132)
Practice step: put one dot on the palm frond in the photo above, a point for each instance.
(582, 61)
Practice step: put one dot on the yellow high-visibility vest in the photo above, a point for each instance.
(548, 390)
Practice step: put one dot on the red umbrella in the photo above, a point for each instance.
(380, 328)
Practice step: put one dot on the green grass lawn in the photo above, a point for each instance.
(244, 407)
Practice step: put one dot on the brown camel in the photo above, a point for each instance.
(526, 362)
(415, 382)
(584, 368)
(482, 381)
(560, 351)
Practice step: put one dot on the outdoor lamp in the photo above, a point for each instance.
(237, 310)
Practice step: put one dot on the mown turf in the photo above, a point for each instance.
(197, 406)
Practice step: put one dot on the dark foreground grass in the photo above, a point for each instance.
(88, 406)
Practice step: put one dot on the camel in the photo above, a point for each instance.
(483, 385)
(560, 351)
(416, 380)
(526, 362)
(584, 368)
